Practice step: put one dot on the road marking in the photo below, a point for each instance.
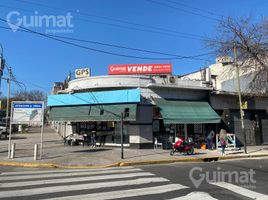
(55, 175)
(194, 196)
(71, 180)
(53, 189)
(61, 171)
(126, 193)
(242, 191)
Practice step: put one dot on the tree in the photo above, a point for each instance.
(33, 95)
(251, 41)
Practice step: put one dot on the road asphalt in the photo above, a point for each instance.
(56, 154)
(229, 179)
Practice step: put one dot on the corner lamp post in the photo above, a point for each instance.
(2, 64)
(240, 99)
(124, 115)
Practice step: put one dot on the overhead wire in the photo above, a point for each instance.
(94, 49)
(193, 57)
(155, 28)
(183, 10)
(195, 8)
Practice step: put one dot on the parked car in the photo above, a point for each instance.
(3, 132)
(74, 139)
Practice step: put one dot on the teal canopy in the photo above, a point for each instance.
(187, 112)
(92, 113)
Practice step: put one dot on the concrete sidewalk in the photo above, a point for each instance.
(57, 155)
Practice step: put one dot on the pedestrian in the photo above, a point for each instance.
(223, 140)
(102, 140)
(210, 136)
(93, 139)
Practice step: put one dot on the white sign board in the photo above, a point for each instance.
(82, 73)
(27, 112)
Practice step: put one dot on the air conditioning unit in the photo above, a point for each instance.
(172, 79)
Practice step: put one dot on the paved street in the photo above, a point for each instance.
(172, 181)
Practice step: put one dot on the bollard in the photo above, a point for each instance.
(13, 146)
(35, 151)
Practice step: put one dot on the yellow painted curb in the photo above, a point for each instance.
(127, 163)
(29, 165)
(52, 165)
(88, 166)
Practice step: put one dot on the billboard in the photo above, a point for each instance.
(27, 112)
(140, 69)
(82, 73)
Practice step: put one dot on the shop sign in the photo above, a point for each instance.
(244, 105)
(140, 69)
(82, 73)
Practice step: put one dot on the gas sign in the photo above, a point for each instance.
(82, 73)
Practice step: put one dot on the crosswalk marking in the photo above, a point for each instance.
(79, 179)
(45, 190)
(126, 193)
(242, 191)
(54, 175)
(103, 184)
(194, 196)
(61, 171)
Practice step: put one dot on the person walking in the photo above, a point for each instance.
(93, 139)
(210, 136)
(223, 140)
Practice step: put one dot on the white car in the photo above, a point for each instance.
(2, 128)
(3, 133)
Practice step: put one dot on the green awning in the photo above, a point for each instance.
(92, 113)
(186, 112)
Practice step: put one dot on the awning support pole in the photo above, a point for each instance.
(122, 141)
(185, 131)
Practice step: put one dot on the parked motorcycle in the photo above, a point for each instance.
(183, 146)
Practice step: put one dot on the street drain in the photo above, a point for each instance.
(211, 159)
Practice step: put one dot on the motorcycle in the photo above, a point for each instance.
(183, 146)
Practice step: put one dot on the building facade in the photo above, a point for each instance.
(224, 100)
(160, 106)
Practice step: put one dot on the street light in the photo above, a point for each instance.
(2, 64)
(1, 50)
(124, 115)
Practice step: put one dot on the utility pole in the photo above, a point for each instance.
(122, 134)
(240, 100)
(7, 110)
(2, 65)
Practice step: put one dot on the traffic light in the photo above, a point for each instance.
(126, 112)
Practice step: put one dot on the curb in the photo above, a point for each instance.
(52, 165)
(127, 163)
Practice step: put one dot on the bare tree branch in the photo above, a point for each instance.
(251, 40)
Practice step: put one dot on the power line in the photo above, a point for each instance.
(174, 34)
(183, 10)
(195, 8)
(194, 57)
(88, 48)
(155, 28)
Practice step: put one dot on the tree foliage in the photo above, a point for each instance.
(251, 41)
(33, 95)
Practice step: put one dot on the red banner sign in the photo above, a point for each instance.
(140, 69)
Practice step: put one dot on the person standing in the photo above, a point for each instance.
(93, 139)
(223, 140)
(210, 136)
